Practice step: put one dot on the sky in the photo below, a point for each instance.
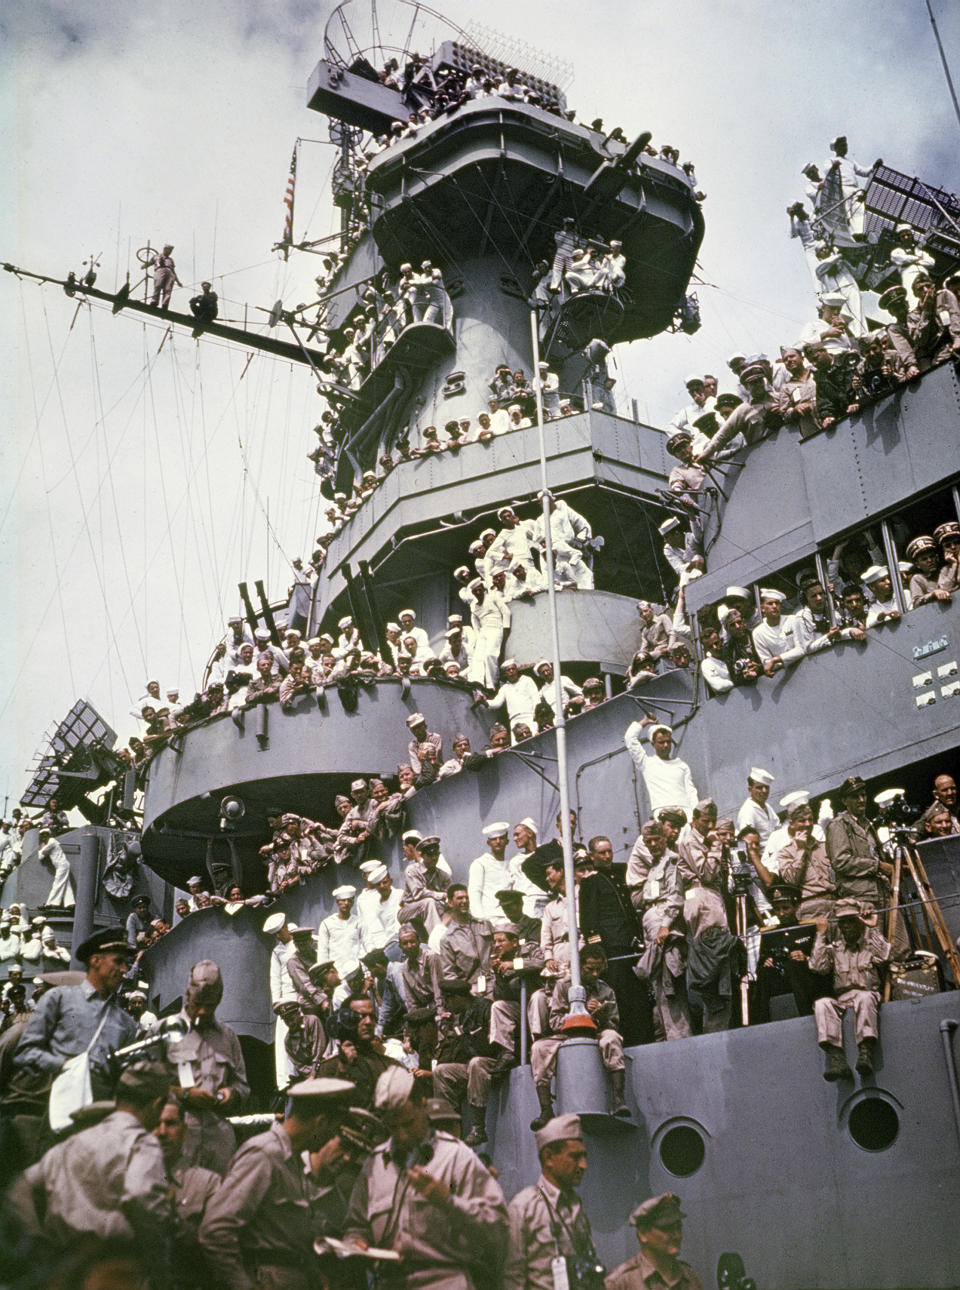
(142, 474)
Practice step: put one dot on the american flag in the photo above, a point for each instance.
(287, 238)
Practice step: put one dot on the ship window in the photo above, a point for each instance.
(682, 1150)
(874, 1124)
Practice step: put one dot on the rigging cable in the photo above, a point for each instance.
(108, 618)
(58, 588)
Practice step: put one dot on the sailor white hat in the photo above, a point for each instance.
(771, 593)
(790, 801)
(273, 922)
(497, 830)
(378, 874)
(760, 776)
(346, 892)
(874, 574)
(406, 613)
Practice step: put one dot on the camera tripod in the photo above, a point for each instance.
(906, 859)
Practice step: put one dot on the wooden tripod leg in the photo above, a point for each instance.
(892, 918)
(935, 914)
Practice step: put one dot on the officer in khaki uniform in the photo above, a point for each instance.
(547, 1220)
(659, 1224)
(259, 1228)
(858, 863)
(426, 1196)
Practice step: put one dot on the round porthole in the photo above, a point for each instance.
(873, 1123)
(682, 1150)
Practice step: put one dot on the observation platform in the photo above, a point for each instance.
(307, 756)
(499, 177)
(602, 464)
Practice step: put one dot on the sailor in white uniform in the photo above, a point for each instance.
(490, 873)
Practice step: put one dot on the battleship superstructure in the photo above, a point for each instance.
(740, 1122)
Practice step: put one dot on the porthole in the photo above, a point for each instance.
(874, 1123)
(682, 1150)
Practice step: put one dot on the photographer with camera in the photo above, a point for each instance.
(783, 958)
(548, 1224)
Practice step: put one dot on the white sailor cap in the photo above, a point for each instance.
(273, 923)
(378, 874)
(652, 730)
(393, 627)
(904, 228)
(833, 299)
(407, 613)
(345, 621)
(498, 830)
(262, 634)
(346, 892)
(508, 662)
(411, 835)
(669, 525)
(544, 662)
(195, 879)
(760, 776)
(367, 867)
(874, 574)
(771, 593)
(528, 823)
(488, 533)
(477, 582)
(790, 801)
(415, 719)
(736, 593)
(357, 784)
(455, 620)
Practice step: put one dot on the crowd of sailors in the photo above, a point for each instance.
(405, 1007)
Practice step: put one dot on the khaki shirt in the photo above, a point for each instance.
(539, 1230)
(262, 1214)
(95, 1183)
(639, 1273)
(855, 969)
(441, 1246)
(808, 870)
(191, 1187)
(465, 951)
(855, 857)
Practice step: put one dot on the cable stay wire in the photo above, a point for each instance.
(55, 564)
(98, 568)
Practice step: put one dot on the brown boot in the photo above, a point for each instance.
(546, 1107)
(865, 1056)
(618, 1081)
(836, 1067)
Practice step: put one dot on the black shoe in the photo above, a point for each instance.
(836, 1068)
(865, 1057)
